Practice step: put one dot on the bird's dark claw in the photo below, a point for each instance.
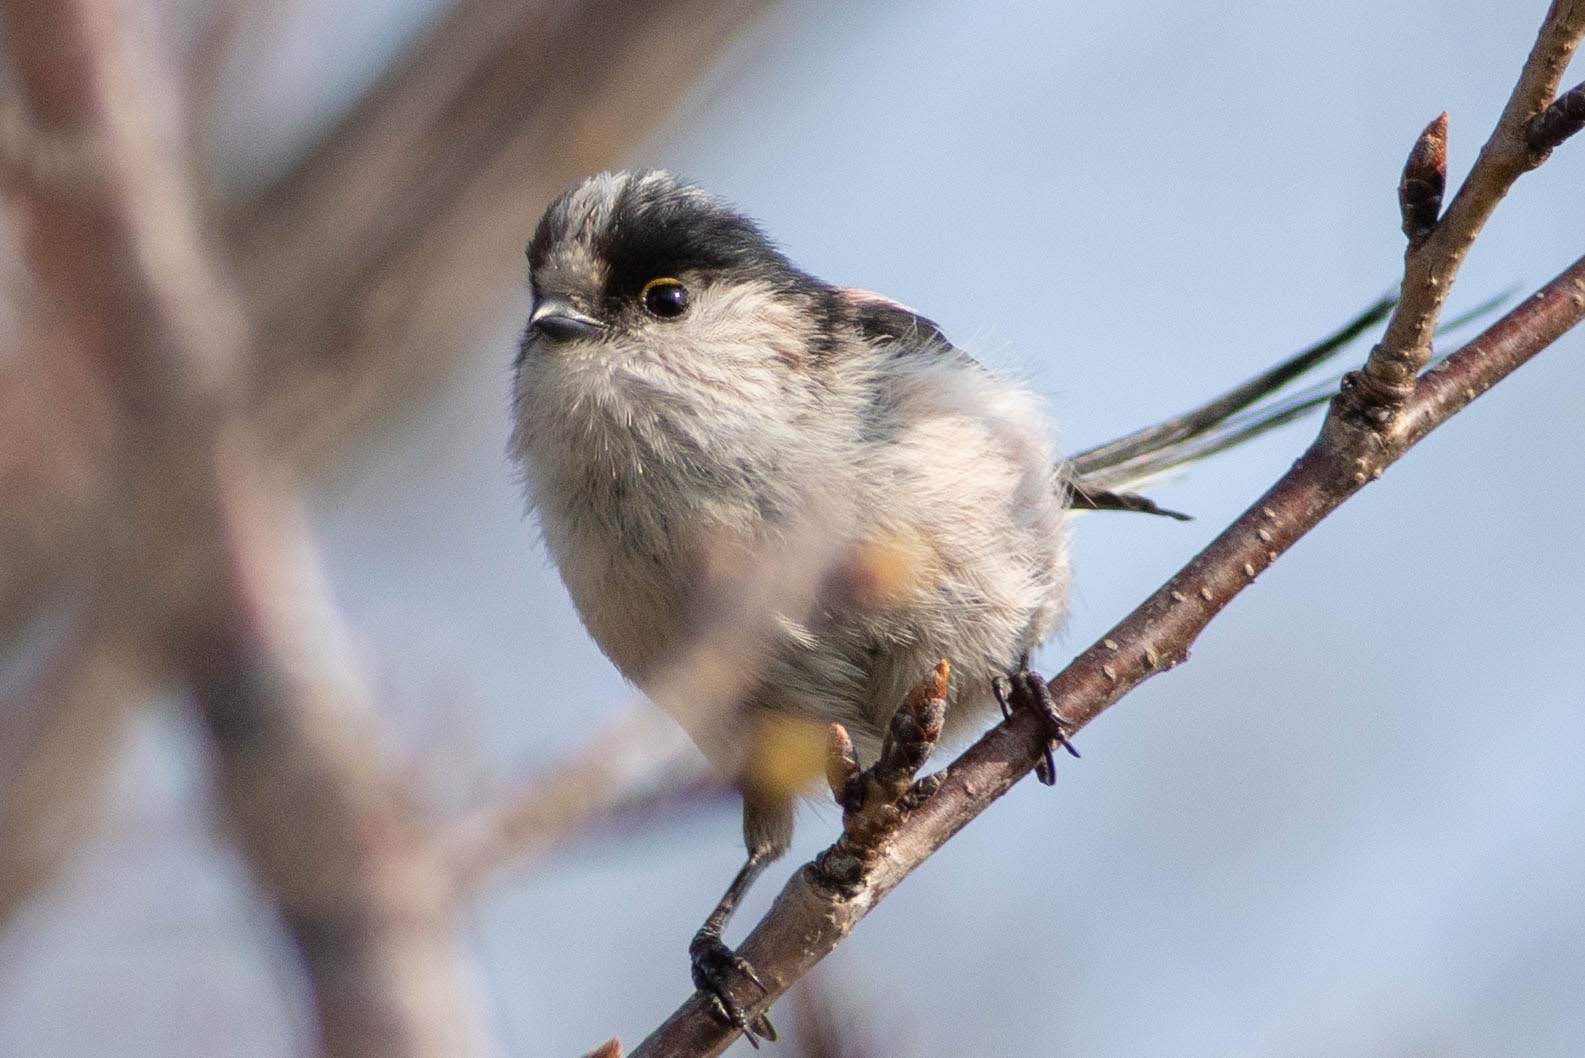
(713, 963)
(1026, 690)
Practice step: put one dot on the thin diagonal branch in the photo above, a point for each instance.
(595, 781)
(1557, 123)
(1432, 261)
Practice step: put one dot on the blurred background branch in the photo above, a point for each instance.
(208, 550)
(143, 531)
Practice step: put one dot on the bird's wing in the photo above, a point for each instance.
(880, 319)
(1103, 478)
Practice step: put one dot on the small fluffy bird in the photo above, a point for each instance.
(686, 398)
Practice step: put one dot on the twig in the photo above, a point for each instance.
(1557, 123)
(811, 915)
(596, 780)
(373, 259)
(1432, 263)
(496, 83)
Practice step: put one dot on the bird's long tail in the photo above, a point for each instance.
(1106, 477)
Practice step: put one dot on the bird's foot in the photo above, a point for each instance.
(1027, 690)
(713, 964)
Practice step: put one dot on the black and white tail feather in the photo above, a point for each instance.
(1107, 476)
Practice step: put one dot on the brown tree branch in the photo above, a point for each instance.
(877, 799)
(815, 911)
(597, 780)
(369, 262)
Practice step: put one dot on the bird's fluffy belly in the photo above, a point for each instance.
(897, 601)
(952, 544)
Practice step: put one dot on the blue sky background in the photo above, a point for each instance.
(1355, 824)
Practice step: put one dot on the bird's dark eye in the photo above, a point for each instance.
(664, 297)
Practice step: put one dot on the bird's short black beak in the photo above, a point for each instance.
(560, 322)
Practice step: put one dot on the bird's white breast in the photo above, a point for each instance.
(638, 475)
